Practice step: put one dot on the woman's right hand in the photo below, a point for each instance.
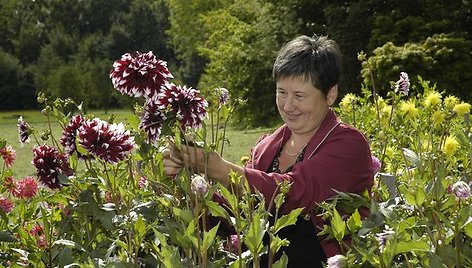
(171, 160)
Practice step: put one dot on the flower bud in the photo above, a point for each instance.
(199, 185)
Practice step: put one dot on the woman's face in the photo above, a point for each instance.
(302, 106)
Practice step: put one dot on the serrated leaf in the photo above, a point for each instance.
(217, 210)
(209, 237)
(282, 262)
(287, 220)
(338, 226)
(410, 246)
(354, 222)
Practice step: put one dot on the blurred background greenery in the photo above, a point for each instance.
(66, 48)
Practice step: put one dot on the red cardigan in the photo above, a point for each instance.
(337, 157)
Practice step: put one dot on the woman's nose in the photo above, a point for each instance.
(289, 104)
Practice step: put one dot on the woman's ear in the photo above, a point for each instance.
(332, 95)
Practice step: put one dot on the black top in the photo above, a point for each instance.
(305, 249)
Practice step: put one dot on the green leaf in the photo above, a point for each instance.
(468, 227)
(354, 222)
(140, 226)
(412, 157)
(338, 226)
(209, 237)
(69, 243)
(287, 220)
(410, 246)
(217, 210)
(282, 262)
(255, 234)
(6, 236)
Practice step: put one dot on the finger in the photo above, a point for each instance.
(171, 171)
(171, 163)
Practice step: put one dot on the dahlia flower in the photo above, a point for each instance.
(223, 95)
(23, 130)
(409, 109)
(8, 154)
(460, 189)
(50, 164)
(111, 143)
(450, 145)
(139, 74)
(450, 101)
(376, 165)
(26, 188)
(403, 84)
(152, 120)
(10, 185)
(462, 108)
(5, 204)
(69, 134)
(432, 99)
(186, 103)
(384, 236)
(232, 244)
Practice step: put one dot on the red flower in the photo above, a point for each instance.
(151, 120)
(69, 134)
(50, 164)
(26, 188)
(111, 143)
(186, 103)
(8, 154)
(10, 184)
(5, 204)
(139, 74)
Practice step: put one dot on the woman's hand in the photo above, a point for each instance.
(171, 160)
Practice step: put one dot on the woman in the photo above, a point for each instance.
(313, 149)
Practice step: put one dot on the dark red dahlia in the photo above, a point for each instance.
(69, 134)
(187, 104)
(152, 120)
(139, 74)
(111, 143)
(50, 164)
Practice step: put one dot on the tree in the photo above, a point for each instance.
(427, 59)
(243, 40)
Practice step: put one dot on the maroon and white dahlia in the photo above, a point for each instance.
(50, 164)
(69, 134)
(139, 74)
(152, 120)
(23, 130)
(186, 102)
(111, 143)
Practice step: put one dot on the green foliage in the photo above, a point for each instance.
(417, 216)
(243, 39)
(15, 84)
(427, 59)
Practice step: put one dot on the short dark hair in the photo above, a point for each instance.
(317, 59)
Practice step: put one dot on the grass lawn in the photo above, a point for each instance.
(241, 141)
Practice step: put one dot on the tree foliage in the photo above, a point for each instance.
(229, 43)
(426, 59)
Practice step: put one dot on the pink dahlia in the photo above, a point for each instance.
(139, 74)
(50, 164)
(232, 244)
(8, 154)
(5, 204)
(186, 103)
(143, 182)
(23, 130)
(376, 165)
(69, 134)
(152, 120)
(111, 143)
(26, 188)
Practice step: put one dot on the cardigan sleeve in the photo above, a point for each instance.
(343, 163)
